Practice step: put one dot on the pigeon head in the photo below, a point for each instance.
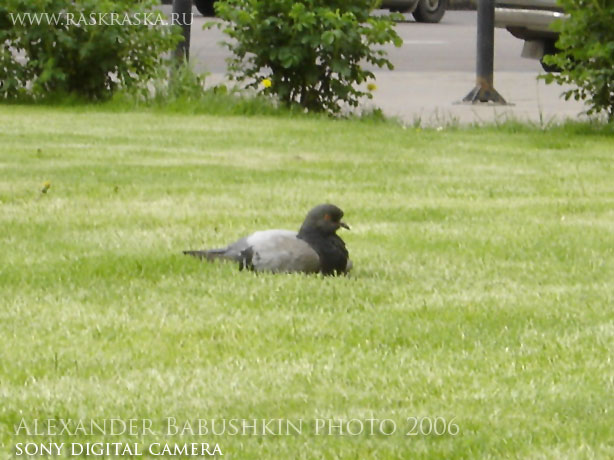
(319, 230)
(324, 219)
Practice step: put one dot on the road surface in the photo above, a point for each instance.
(434, 70)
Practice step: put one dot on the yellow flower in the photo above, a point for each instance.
(46, 186)
(266, 82)
(371, 86)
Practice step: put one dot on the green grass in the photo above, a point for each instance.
(482, 290)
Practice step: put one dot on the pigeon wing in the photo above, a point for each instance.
(281, 251)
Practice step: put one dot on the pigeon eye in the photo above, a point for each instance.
(326, 216)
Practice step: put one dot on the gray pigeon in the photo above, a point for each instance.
(315, 248)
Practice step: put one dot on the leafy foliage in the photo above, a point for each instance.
(312, 51)
(79, 47)
(586, 58)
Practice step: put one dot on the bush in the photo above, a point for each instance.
(308, 52)
(586, 57)
(70, 55)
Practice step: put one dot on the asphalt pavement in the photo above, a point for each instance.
(434, 70)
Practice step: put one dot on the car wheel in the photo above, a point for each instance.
(430, 10)
(205, 7)
(550, 68)
(549, 50)
(400, 9)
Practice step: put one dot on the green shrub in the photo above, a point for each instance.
(71, 55)
(185, 93)
(308, 52)
(586, 58)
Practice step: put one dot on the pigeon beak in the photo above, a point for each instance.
(344, 225)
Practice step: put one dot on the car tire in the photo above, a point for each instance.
(430, 10)
(400, 9)
(549, 50)
(550, 68)
(205, 7)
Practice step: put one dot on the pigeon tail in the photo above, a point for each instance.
(210, 254)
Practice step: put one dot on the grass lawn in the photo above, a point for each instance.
(482, 292)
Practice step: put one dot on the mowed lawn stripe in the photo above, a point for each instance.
(482, 290)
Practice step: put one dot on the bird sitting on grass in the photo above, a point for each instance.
(316, 248)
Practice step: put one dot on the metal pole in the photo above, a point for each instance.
(182, 16)
(484, 90)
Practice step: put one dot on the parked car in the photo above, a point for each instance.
(531, 21)
(422, 10)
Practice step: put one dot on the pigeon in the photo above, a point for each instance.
(316, 248)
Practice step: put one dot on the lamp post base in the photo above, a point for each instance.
(481, 94)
